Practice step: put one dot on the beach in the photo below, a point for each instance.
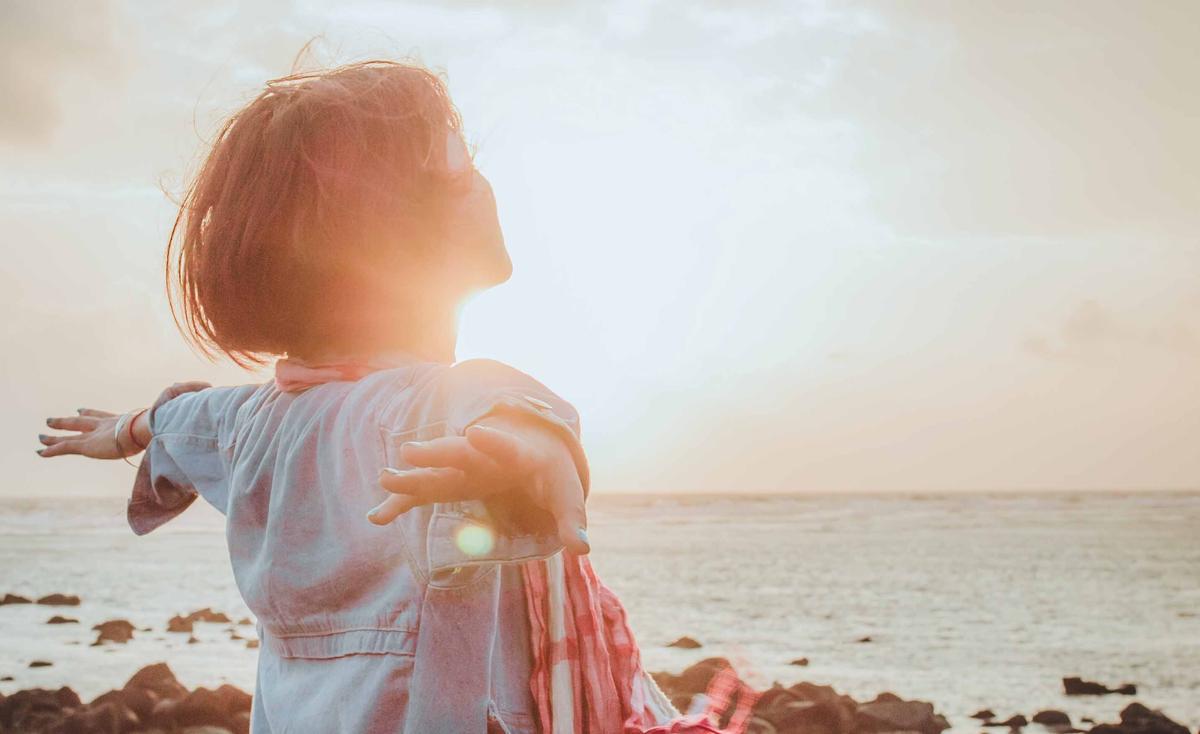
(966, 601)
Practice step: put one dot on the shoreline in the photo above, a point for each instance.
(153, 700)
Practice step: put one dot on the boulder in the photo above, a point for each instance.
(252, 644)
(158, 679)
(14, 599)
(984, 715)
(107, 718)
(119, 631)
(1052, 717)
(40, 664)
(56, 619)
(245, 621)
(890, 716)
(1138, 719)
(1013, 722)
(685, 642)
(1079, 687)
(59, 600)
(866, 638)
(208, 615)
(179, 624)
(800, 662)
(36, 708)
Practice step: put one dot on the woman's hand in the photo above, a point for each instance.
(500, 455)
(94, 438)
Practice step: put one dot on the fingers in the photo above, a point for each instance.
(506, 449)
(420, 481)
(570, 515)
(82, 423)
(93, 413)
(451, 451)
(391, 508)
(60, 446)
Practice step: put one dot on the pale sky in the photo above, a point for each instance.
(762, 246)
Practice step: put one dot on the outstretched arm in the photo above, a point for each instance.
(500, 458)
(99, 434)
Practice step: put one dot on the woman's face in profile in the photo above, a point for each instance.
(474, 240)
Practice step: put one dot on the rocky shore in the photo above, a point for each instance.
(153, 701)
(807, 708)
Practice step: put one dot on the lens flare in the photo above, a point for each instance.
(474, 540)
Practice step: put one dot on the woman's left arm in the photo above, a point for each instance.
(98, 434)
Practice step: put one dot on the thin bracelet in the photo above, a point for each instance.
(118, 428)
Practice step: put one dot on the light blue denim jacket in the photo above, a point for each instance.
(412, 627)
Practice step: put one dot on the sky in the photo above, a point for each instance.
(761, 246)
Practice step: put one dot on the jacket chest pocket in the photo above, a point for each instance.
(458, 532)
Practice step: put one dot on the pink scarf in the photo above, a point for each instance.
(587, 670)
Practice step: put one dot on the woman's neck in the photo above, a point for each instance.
(424, 332)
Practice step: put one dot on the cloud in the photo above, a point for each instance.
(1048, 119)
(1092, 332)
(44, 51)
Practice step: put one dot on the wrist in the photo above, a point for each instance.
(132, 433)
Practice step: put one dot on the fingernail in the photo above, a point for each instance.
(418, 444)
(582, 535)
(48, 421)
(393, 471)
(374, 513)
(39, 451)
(42, 437)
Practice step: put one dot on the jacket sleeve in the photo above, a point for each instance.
(191, 435)
(504, 528)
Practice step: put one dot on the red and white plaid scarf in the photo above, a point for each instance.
(587, 670)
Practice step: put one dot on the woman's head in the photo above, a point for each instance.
(328, 208)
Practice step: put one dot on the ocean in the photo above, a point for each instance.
(970, 601)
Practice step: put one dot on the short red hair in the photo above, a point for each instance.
(309, 202)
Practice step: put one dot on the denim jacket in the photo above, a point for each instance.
(419, 626)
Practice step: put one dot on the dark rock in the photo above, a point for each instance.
(115, 630)
(62, 620)
(159, 679)
(810, 718)
(40, 664)
(252, 644)
(1013, 722)
(245, 621)
(192, 640)
(1052, 717)
(59, 600)
(919, 716)
(14, 599)
(685, 642)
(7, 678)
(1088, 720)
(984, 715)
(801, 662)
(864, 639)
(36, 708)
(693, 680)
(107, 718)
(1138, 719)
(179, 624)
(208, 615)
(760, 726)
(1080, 687)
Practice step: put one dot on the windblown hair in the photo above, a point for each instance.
(309, 202)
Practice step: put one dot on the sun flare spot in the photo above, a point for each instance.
(474, 540)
